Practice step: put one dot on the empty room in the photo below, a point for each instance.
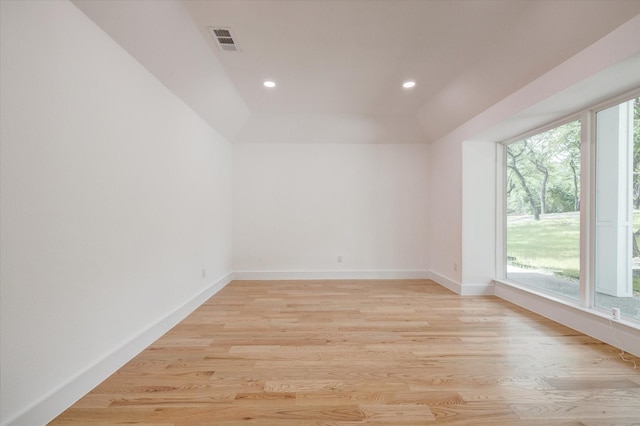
(319, 212)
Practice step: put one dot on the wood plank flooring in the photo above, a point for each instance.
(396, 353)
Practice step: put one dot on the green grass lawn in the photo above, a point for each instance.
(551, 243)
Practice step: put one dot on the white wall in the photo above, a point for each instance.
(114, 198)
(330, 128)
(297, 207)
(478, 217)
(445, 214)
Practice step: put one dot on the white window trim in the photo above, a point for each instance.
(585, 305)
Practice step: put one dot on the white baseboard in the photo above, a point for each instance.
(462, 289)
(477, 289)
(445, 282)
(59, 400)
(332, 275)
(599, 326)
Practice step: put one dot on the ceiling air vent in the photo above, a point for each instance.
(224, 39)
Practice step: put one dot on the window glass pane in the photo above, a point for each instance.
(617, 224)
(543, 204)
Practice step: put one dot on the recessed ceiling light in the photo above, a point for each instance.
(408, 84)
(269, 84)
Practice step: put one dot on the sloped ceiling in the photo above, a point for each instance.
(339, 65)
(163, 38)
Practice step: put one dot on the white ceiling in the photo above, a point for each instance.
(339, 65)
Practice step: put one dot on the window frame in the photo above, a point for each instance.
(587, 204)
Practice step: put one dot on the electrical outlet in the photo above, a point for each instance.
(455, 266)
(339, 259)
(204, 273)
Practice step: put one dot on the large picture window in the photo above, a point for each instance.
(546, 175)
(543, 210)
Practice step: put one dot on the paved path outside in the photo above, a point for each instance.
(629, 306)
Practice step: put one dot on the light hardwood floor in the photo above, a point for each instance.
(365, 352)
